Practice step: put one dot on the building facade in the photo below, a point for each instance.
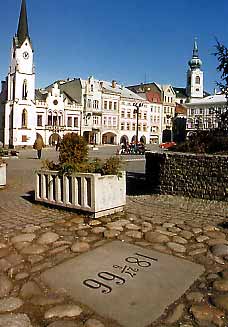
(101, 111)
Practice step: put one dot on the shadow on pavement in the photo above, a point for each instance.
(136, 184)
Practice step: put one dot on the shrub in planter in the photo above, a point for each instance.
(77, 182)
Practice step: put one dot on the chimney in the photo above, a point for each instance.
(114, 84)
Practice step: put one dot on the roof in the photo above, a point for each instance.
(211, 99)
(180, 92)
(41, 94)
(121, 90)
(180, 109)
(22, 31)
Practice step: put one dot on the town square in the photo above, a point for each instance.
(113, 196)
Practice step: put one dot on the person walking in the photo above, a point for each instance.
(38, 145)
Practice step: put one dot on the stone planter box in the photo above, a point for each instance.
(2, 175)
(92, 193)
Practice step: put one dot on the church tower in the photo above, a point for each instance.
(20, 111)
(195, 76)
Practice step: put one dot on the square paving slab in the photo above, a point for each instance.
(124, 282)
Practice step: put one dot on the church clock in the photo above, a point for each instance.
(25, 55)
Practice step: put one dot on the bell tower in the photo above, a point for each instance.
(195, 76)
(20, 111)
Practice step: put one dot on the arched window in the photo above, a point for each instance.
(197, 80)
(24, 119)
(24, 90)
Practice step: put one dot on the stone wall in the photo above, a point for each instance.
(192, 175)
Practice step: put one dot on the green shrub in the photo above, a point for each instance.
(73, 149)
(210, 142)
(73, 157)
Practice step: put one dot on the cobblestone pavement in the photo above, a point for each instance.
(34, 238)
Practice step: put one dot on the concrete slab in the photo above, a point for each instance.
(124, 282)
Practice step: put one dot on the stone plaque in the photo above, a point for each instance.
(124, 282)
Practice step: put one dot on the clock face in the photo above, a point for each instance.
(25, 55)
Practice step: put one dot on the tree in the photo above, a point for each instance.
(222, 56)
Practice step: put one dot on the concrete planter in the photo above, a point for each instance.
(2, 175)
(93, 193)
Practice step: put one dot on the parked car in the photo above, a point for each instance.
(167, 145)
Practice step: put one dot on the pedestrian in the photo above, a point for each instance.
(38, 145)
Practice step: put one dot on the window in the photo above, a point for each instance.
(91, 88)
(128, 114)
(144, 127)
(109, 121)
(24, 118)
(95, 104)
(122, 113)
(110, 105)
(201, 111)
(133, 126)
(114, 121)
(105, 121)
(122, 126)
(115, 105)
(106, 105)
(95, 120)
(49, 120)
(69, 122)
(197, 80)
(24, 90)
(89, 103)
(60, 120)
(24, 138)
(75, 121)
(55, 120)
(128, 126)
(164, 110)
(39, 120)
(145, 115)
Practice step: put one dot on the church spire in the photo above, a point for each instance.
(195, 62)
(22, 31)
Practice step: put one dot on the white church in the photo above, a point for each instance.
(103, 112)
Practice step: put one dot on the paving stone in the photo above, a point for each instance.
(4, 265)
(35, 258)
(10, 304)
(98, 230)
(58, 249)
(15, 320)
(29, 237)
(60, 311)
(111, 233)
(167, 225)
(176, 314)
(83, 283)
(220, 301)
(132, 227)
(202, 238)
(197, 230)
(180, 240)
(220, 250)
(197, 251)
(66, 323)
(21, 276)
(194, 297)
(4, 252)
(6, 285)
(134, 234)
(156, 237)
(34, 249)
(115, 226)
(93, 323)
(186, 234)
(80, 247)
(49, 299)
(29, 290)
(221, 285)
(176, 247)
(206, 314)
(48, 238)
(216, 234)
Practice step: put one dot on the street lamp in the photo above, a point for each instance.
(136, 111)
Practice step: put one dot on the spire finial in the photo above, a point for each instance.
(22, 31)
(195, 48)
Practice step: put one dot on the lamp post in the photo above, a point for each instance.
(136, 111)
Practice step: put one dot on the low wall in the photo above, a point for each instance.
(192, 175)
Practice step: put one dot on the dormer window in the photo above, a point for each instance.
(197, 80)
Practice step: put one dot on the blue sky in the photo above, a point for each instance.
(131, 41)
